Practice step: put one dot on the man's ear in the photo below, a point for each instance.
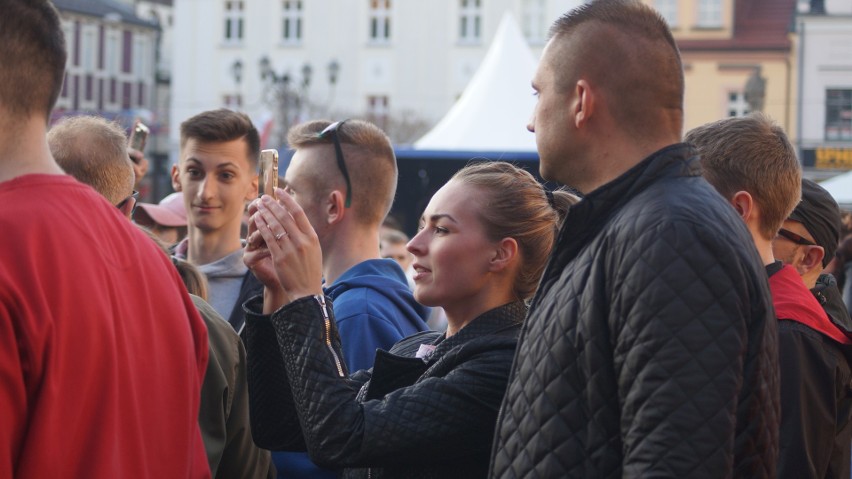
(334, 208)
(176, 178)
(811, 260)
(252, 193)
(505, 253)
(743, 203)
(584, 103)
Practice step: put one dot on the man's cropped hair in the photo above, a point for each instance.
(94, 151)
(32, 57)
(222, 125)
(369, 158)
(751, 154)
(626, 48)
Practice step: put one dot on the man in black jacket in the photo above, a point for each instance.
(818, 443)
(650, 348)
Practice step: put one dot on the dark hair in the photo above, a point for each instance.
(527, 215)
(216, 126)
(32, 55)
(751, 154)
(625, 47)
(370, 161)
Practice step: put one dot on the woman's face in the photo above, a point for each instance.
(452, 253)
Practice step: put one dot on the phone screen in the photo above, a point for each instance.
(268, 173)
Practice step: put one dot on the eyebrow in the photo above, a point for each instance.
(222, 165)
(437, 217)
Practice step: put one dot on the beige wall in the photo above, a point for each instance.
(711, 76)
(686, 25)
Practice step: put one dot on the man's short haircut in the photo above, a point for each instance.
(94, 151)
(625, 48)
(32, 57)
(219, 126)
(751, 154)
(369, 158)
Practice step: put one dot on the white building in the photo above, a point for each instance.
(825, 84)
(398, 62)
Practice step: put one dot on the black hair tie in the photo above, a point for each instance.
(550, 200)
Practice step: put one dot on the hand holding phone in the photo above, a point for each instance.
(268, 172)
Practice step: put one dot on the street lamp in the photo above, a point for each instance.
(333, 71)
(288, 95)
(237, 70)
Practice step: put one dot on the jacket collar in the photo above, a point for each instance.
(501, 318)
(588, 217)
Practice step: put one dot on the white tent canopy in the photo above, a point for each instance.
(840, 187)
(493, 110)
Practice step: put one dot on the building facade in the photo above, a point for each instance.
(110, 58)
(824, 30)
(725, 44)
(401, 64)
(111, 69)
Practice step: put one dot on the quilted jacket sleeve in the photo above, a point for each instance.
(440, 417)
(679, 335)
(274, 424)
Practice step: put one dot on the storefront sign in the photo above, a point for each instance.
(827, 158)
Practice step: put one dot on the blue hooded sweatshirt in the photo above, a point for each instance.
(373, 309)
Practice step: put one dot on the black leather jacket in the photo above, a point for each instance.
(405, 418)
(651, 347)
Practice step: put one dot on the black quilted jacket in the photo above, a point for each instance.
(651, 347)
(405, 418)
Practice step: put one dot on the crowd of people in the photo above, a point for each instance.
(670, 312)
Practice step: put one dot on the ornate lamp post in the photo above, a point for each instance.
(289, 98)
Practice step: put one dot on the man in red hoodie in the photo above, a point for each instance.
(751, 163)
(102, 352)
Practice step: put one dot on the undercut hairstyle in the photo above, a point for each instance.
(625, 48)
(751, 154)
(219, 126)
(528, 214)
(94, 151)
(32, 57)
(370, 162)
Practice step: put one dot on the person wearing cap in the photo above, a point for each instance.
(807, 242)
(167, 219)
(751, 162)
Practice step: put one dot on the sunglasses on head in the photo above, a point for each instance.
(795, 238)
(333, 130)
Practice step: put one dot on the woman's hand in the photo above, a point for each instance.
(292, 245)
(259, 260)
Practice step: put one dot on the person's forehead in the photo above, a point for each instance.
(233, 151)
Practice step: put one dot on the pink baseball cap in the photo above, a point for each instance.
(169, 212)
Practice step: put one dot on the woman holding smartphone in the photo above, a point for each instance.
(428, 407)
